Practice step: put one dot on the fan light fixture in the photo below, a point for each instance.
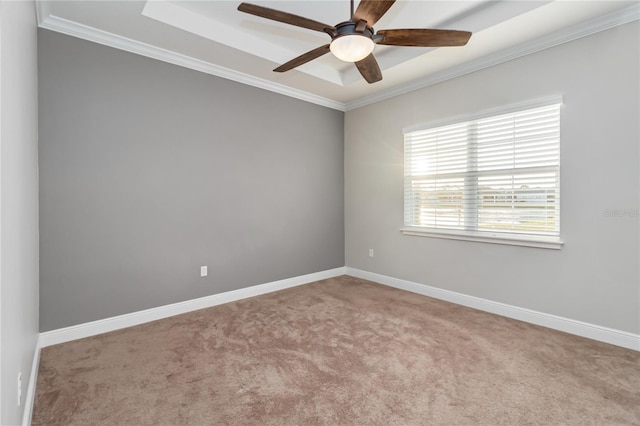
(354, 40)
(352, 47)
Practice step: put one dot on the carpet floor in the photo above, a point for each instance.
(342, 351)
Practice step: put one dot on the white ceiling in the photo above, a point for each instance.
(213, 37)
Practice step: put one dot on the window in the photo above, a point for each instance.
(493, 178)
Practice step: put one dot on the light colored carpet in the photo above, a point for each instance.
(342, 351)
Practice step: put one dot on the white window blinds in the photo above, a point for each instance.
(498, 174)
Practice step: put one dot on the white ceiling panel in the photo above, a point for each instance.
(214, 37)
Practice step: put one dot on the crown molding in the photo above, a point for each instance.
(65, 26)
(614, 19)
(43, 10)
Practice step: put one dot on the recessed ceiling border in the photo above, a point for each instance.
(74, 29)
(64, 26)
(606, 22)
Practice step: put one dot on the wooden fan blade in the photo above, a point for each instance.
(424, 37)
(287, 18)
(369, 69)
(372, 10)
(303, 59)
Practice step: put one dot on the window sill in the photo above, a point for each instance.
(553, 243)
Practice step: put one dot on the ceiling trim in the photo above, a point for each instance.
(614, 19)
(64, 26)
(61, 25)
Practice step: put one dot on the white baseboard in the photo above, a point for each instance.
(579, 328)
(93, 328)
(30, 396)
(48, 338)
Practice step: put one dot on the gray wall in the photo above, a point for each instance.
(595, 277)
(19, 203)
(149, 170)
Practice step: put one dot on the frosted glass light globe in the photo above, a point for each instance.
(352, 47)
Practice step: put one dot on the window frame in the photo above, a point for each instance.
(509, 238)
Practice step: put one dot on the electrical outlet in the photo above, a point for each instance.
(203, 271)
(19, 388)
(371, 254)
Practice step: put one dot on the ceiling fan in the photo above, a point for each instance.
(355, 39)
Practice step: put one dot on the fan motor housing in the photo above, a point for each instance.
(349, 28)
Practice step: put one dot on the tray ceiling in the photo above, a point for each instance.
(213, 37)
